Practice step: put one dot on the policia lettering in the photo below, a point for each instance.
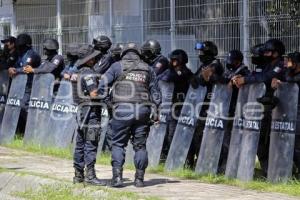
(13, 102)
(38, 104)
(64, 108)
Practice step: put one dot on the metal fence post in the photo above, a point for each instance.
(173, 21)
(13, 23)
(142, 20)
(245, 32)
(111, 20)
(59, 25)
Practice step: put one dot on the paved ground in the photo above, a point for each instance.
(164, 187)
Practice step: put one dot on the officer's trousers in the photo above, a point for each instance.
(87, 138)
(130, 120)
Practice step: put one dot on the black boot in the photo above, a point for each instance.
(79, 176)
(91, 178)
(117, 177)
(139, 178)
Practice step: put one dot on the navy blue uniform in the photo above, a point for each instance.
(160, 64)
(30, 57)
(88, 134)
(225, 79)
(104, 63)
(131, 114)
(54, 65)
(265, 75)
(181, 85)
(8, 60)
(199, 80)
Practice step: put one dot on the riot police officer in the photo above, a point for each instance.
(27, 57)
(104, 60)
(10, 55)
(116, 51)
(53, 62)
(273, 51)
(134, 88)
(209, 72)
(180, 75)
(234, 66)
(292, 75)
(72, 57)
(151, 52)
(89, 119)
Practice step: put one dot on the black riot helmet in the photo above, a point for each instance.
(50, 44)
(23, 43)
(116, 51)
(72, 53)
(130, 47)
(102, 43)
(179, 55)
(150, 50)
(233, 58)
(24, 40)
(50, 47)
(275, 45)
(257, 55)
(207, 51)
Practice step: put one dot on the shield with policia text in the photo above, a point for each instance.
(157, 133)
(251, 125)
(237, 133)
(185, 128)
(39, 107)
(13, 107)
(62, 118)
(4, 84)
(213, 134)
(283, 129)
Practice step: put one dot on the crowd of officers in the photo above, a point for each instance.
(101, 67)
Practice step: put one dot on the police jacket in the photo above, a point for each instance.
(160, 64)
(9, 60)
(53, 65)
(30, 57)
(266, 74)
(181, 82)
(104, 63)
(218, 71)
(226, 78)
(132, 81)
(69, 69)
(230, 73)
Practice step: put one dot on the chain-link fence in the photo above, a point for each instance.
(226, 22)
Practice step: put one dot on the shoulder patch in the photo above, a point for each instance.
(158, 65)
(277, 69)
(89, 80)
(258, 70)
(55, 62)
(28, 60)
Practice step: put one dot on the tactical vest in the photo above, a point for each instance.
(80, 93)
(133, 84)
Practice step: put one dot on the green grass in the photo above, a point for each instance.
(291, 188)
(71, 192)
